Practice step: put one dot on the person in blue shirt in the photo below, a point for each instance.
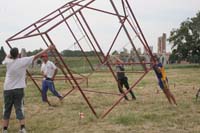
(163, 81)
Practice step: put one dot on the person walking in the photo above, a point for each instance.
(49, 71)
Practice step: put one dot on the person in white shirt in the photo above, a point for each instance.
(49, 71)
(14, 85)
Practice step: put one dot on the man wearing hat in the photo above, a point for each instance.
(49, 71)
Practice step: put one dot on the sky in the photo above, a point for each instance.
(154, 16)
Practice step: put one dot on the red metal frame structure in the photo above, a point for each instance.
(75, 9)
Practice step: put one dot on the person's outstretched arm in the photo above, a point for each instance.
(51, 47)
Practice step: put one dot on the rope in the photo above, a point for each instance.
(79, 28)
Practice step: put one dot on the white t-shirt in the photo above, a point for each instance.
(16, 72)
(48, 68)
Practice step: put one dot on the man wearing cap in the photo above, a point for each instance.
(14, 85)
(49, 71)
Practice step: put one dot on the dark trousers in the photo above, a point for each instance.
(124, 82)
(13, 97)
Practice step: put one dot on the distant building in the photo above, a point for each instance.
(151, 48)
(23, 52)
(162, 44)
(139, 51)
(162, 53)
(145, 55)
(145, 51)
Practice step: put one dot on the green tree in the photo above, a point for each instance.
(78, 53)
(30, 53)
(186, 40)
(115, 52)
(2, 54)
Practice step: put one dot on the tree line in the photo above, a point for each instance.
(65, 53)
(77, 53)
(2, 54)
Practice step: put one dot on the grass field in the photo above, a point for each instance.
(150, 113)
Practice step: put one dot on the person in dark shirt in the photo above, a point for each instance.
(122, 79)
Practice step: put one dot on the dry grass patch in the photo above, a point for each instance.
(150, 113)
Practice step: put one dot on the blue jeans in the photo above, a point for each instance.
(48, 84)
